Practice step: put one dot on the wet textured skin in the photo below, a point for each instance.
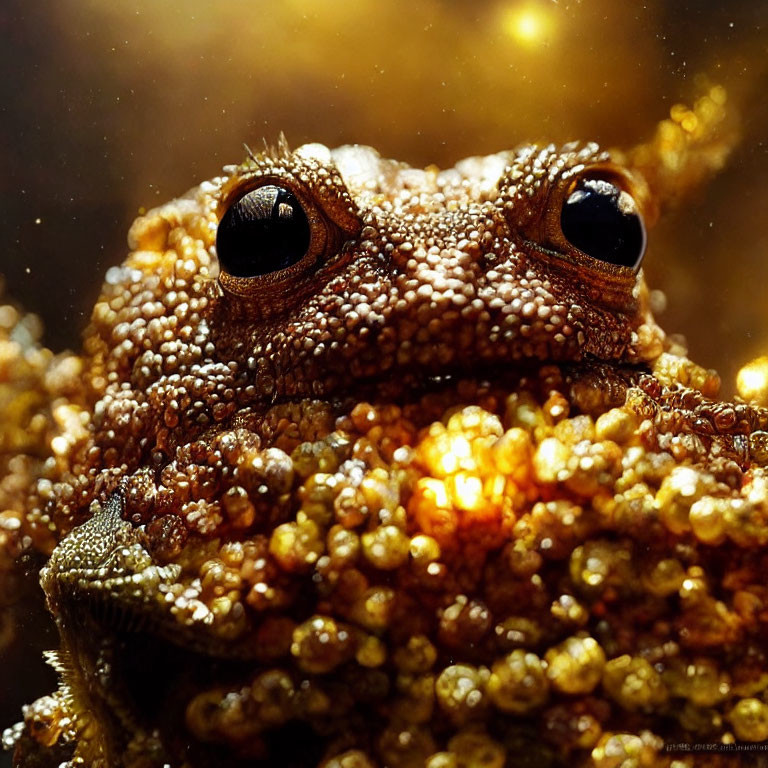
(193, 532)
(410, 275)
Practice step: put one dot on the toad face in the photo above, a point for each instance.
(339, 271)
(340, 267)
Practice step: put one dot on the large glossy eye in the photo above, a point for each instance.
(603, 221)
(266, 230)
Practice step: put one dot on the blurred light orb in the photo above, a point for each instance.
(752, 381)
(527, 24)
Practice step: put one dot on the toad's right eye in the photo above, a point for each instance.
(264, 231)
(603, 221)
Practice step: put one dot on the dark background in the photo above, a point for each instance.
(107, 107)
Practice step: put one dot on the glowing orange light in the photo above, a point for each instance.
(752, 381)
(526, 24)
(436, 490)
(468, 492)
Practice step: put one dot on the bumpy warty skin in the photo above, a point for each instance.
(434, 274)
(438, 494)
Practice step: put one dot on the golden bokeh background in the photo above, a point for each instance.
(109, 107)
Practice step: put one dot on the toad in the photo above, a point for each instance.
(365, 465)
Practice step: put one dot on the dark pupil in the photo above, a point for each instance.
(264, 231)
(602, 221)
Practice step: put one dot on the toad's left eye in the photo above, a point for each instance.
(265, 231)
(603, 221)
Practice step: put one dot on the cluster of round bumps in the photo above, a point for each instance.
(37, 406)
(449, 585)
